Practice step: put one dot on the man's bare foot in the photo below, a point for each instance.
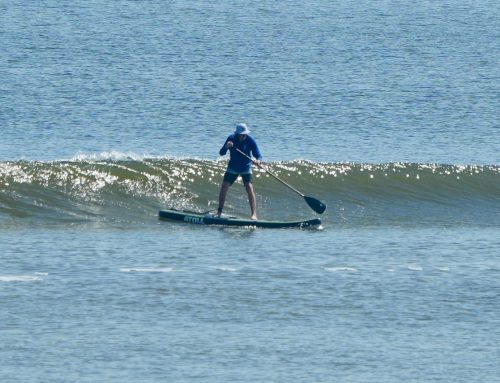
(253, 217)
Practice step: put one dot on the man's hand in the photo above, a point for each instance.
(229, 144)
(257, 162)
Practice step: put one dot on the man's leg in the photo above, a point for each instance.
(251, 199)
(222, 196)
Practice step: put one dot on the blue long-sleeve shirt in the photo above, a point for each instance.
(237, 162)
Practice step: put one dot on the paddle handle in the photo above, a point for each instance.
(271, 174)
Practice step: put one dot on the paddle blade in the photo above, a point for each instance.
(318, 206)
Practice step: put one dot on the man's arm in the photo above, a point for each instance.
(227, 145)
(256, 152)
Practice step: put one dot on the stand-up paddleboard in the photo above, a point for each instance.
(206, 219)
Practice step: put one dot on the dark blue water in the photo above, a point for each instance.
(328, 81)
(106, 109)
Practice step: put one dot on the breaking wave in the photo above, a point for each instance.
(123, 190)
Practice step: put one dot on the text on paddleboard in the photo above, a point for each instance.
(193, 219)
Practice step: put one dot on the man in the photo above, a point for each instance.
(239, 165)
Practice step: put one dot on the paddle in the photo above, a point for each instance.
(315, 204)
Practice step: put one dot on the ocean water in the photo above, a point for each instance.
(385, 111)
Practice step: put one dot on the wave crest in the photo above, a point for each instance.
(127, 189)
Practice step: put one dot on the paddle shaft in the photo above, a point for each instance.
(271, 174)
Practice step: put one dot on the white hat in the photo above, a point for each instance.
(242, 129)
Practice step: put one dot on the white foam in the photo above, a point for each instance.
(147, 270)
(226, 268)
(415, 268)
(19, 278)
(341, 268)
(115, 155)
(112, 155)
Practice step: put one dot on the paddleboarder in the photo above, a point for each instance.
(240, 165)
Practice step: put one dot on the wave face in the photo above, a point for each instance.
(131, 191)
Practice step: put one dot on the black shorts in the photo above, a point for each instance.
(231, 177)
